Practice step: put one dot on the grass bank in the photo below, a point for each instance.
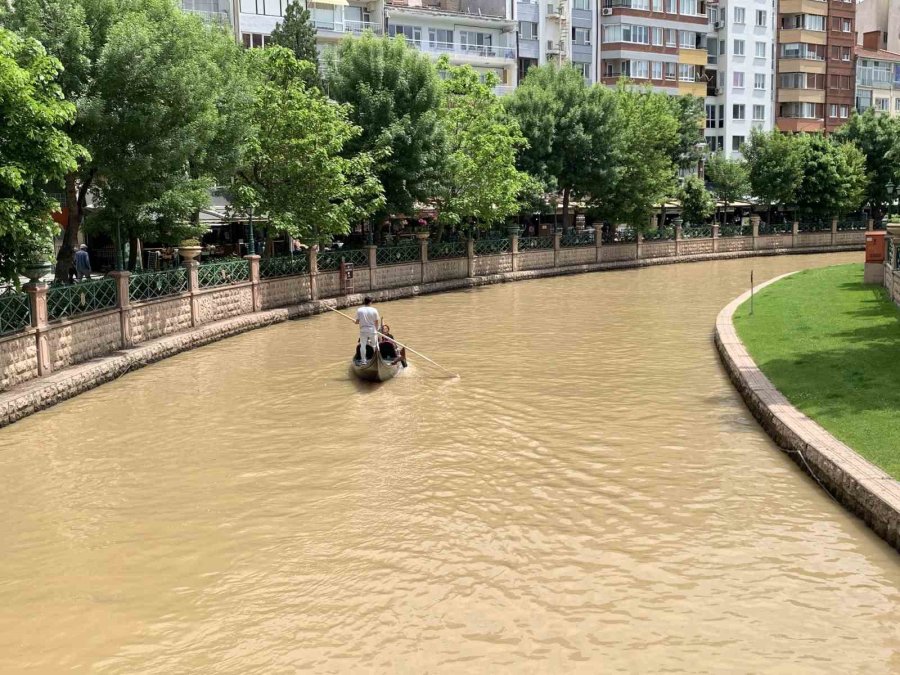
(831, 345)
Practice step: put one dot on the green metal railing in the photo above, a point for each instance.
(890, 252)
(529, 243)
(775, 228)
(572, 238)
(490, 246)
(396, 255)
(852, 223)
(283, 266)
(660, 234)
(625, 235)
(735, 230)
(815, 225)
(696, 232)
(81, 298)
(15, 311)
(447, 249)
(215, 274)
(328, 261)
(150, 285)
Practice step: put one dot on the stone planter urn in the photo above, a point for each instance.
(422, 236)
(893, 229)
(37, 270)
(512, 229)
(189, 252)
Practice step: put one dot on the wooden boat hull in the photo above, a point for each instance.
(378, 369)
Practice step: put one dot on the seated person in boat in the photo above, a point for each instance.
(389, 348)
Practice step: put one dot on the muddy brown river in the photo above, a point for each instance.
(590, 496)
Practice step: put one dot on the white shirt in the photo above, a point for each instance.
(368, 320)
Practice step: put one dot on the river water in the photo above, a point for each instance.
(590, 496)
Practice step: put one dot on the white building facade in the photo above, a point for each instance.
(741, 72)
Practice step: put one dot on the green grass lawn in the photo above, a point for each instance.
(832, 345)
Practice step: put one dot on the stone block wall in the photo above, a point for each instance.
(732, 244)
(395, 276)
(153, 319)
(617, 252)
(223, 303)
(453, 268)
(582, 255)
(536, 259)
(284, 291)
(771, 241)
(657, 249)
(814, 239)
(695, 246)
(493, 264)
(83, 338)
(18, 359)
(328, 284)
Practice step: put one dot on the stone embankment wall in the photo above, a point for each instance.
(858, 484)
(214, 293)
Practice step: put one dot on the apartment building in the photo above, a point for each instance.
(479, 33)
(558, 31)
(883, 16)
(877, 76)
(815, 73)
(740, 72)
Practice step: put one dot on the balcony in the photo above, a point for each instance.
(472, 51)
(495, 9)
(352, 27)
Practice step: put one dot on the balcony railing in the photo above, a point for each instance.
(354, 27)
(484, 51)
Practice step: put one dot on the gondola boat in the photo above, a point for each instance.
(379, 369)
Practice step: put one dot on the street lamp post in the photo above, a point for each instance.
(251, 245)
(119, 253)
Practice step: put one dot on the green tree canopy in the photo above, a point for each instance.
(774, 167)
(697, 205)
(480, 180)
(297, 33)
(728, 178)
(878, 138)
(644, 176)
(572, 130)
(35, 151)
(296, 167)
(834, 177)
(690, 114)
(395, 96)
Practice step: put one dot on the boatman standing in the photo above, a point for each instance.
(367, 319)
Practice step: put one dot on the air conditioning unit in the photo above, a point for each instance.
(720, 91)
(606, 11)
(551, 46)
(719, 25)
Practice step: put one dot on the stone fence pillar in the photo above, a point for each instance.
(754, 224)
(834, 223)
(679, 233)
(313, 253)
(557, 239)
(514, 247)
(253, 262)
(123, 280)
(598, 243)
(870, 224)
(423, 255)
(37, 300)
(470, 258)
(715, 237)
(373, 264)
(795, 234)
(638, 244)
(192, 268)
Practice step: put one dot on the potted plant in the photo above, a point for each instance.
(36, 270)
(189, 249)
(893, 226)
(422, 229)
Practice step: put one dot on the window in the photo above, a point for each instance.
(897, 104)
(759, 81)
(845, 112)
(721, 116)
(801, 50)
(657, 68)
(670, 71)
(442, 38)
(711, 116)
(253, 40)
(882, 104)
(846, 25)
(833, 110)
(738, 111)
(807, 111)
(584, 69)
(411, 33)
(759, 113)
(671, 7)
(738, 80)
(473, 41)
(738, 47)
(686, 72)
(760, 50)
(267, 8)
(739, 15)
(617, 33)
(689, 7)
(528, 30)
(840, 82)
(656, 36)
(721, 47)
(671, 37)
(582, 36)
(760, 17)
(640, 4)
(686, 39)
(640, 70)
(582, 4)
(736, 143)
(657, 5)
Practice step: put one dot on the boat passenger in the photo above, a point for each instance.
(367, 319)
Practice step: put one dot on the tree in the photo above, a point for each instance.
(728, 178)
(644, 177)
(572, 132)
(298, 34)
(394, 95)
(696, 203)
(690, 115)
(481, 180)
(834, 177)
(296, 168)
(774, 167)
(35, 151)
(878, 138)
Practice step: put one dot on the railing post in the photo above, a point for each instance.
(795, 234)
(313, 253)
(679, 233)
(557, 239)
(37, 300)
(253, 261)
(754, 223)
(834, 222)
(193, 284)
(870, 224)
(470, 256)
(715, 236)
(123, 280)
(423, 255)
(638, 245)
(514, 247)
(373, 264)
(598, 243)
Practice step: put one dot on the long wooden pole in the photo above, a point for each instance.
(419, 354)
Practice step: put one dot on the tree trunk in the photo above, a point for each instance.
(565, 214)
(65, 259)
(132, 253)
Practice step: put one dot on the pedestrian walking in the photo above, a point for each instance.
(82, 263)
